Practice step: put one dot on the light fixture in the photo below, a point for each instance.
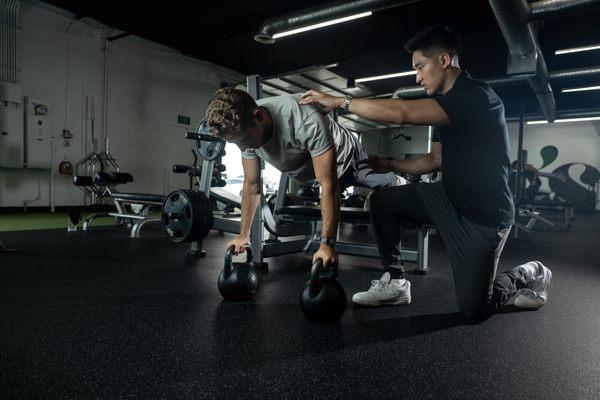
(577, 49)
(321, 25)
(565, 120)
(388, 76)
(581, 89)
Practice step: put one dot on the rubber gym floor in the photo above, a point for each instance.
(99, 315)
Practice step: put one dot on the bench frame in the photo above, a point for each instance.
(135, 212)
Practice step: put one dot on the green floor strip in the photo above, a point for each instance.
(35, 221)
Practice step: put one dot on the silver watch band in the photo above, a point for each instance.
(347, 100)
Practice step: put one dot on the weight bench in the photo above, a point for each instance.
(132, 207)
(530, 209)
(359, 215)
(276, 228)
(225, 197)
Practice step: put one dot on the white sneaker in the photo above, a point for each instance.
(383, 292)
(536, 293)
(400, 180)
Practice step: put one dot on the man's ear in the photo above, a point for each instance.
(445, 59)
(258, 115)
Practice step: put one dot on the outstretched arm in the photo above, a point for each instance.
(398, 111)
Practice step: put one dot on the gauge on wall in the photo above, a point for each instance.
(40, 109)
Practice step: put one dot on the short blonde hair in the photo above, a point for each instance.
(229, 111)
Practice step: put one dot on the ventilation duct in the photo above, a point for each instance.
(525, 59)
(319, 14)
(545, 9)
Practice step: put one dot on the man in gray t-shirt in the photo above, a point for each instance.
(298, 140)
(301, 133)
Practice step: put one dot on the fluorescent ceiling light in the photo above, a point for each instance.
(376, 78)
(581, 89)
(322, 24)
(578, 49)
(565, 120)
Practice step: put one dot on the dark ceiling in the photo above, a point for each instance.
(222, 32)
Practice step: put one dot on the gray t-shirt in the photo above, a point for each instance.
(299, 134)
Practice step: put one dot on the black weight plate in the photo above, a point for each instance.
(177, 229)
(204, 215)
(208, 220)
(198, 228)
(194, 228)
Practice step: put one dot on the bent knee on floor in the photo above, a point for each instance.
(475, 309)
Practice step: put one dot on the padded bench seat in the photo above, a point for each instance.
(226, 197)
(113, 178)
(82, 180)
(102, 178)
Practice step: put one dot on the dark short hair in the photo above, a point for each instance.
(435, 38)
(229, 111)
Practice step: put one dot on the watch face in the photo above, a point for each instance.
(328, 241)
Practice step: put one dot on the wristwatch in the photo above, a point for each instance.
(347, 100)
(329, 241)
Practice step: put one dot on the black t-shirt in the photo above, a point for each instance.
(475, 153)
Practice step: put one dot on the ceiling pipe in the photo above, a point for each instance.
(575, 113)
(318, 14)
(545, 9)
(525, 58)
(575, 73)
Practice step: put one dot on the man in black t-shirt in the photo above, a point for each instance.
(472, 206)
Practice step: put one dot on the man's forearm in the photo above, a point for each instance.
(330, 209)
(419, 166)
(250, 200)
(384, 110)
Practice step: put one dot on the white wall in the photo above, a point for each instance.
(382, 142)
(148, 86)
(576, 142)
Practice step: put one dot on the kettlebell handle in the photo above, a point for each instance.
(317, 267)
(229, 255)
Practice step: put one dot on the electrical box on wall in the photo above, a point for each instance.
(11, 126)
(38, 132)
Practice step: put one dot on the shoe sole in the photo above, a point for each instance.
(527, 306)
(400, 301)
(549, 278)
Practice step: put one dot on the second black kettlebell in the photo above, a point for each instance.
(238, 281)
(323, 298)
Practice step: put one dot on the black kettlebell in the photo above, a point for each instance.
(238, 281)
(323, 298)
